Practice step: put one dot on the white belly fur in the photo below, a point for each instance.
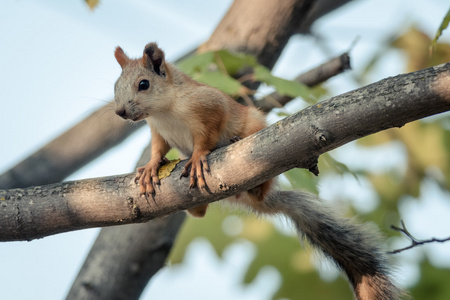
(174, 131)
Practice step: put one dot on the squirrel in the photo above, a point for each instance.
(196, 119)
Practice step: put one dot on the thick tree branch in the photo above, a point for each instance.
(296, 141)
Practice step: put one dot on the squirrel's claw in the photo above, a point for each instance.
(196, 167)
(235, 139)
(186, 169)
(147, 177)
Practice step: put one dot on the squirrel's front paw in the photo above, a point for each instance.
(197, 164)
(147, 177)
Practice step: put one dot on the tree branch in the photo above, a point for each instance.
(35, 212)
(311, 78)
(414, 242)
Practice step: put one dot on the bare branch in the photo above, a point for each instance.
(311, 78)
(36, 212)
(414, 242)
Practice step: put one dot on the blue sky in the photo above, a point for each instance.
(57, 66)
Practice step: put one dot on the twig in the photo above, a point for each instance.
(414, 242)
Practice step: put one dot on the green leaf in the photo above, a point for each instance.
(196, 63)
(217, 68)
(443, 26)
(221, 81)
(302, 179)
(205, 68)
(337, 166)
(233, 62)
(283, 86)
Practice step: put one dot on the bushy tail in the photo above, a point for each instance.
(353, 247)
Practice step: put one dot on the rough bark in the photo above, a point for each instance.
(36, 212)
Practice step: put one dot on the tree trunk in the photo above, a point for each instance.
(139, 253)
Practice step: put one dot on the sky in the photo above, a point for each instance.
(57, 66)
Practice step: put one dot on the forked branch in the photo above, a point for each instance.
(414, 242)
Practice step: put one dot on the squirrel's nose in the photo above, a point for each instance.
(121, 112)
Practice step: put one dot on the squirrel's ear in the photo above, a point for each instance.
(153, 59)
(121, 57)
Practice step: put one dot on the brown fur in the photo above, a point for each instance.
(173, 103)
(196, 119)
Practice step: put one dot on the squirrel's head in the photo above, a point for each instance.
(144, 87)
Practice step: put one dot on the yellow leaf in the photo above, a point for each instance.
(416, 44)
(166, 169)
(92, 3)
(424, 143)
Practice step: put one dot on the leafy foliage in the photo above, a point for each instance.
(219, 69)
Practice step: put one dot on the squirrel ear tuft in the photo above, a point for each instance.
(153, 59)
(121, 57)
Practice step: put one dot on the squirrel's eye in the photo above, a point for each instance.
(144, 85)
